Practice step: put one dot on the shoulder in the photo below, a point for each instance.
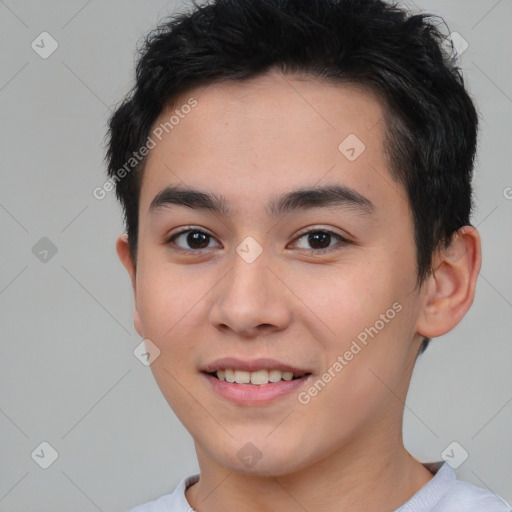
(174, 501)
(445, 493)
(470, 498)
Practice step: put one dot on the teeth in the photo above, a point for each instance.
(242, 377)
(259, 377)
(274, 375)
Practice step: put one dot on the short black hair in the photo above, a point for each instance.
(430, 121)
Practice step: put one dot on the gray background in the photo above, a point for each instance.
(68, 375)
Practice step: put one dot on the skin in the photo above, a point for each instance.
(249, 141)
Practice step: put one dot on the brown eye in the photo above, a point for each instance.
(190, 240)
(197, 240)
(320, 240)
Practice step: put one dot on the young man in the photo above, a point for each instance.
(296, 183)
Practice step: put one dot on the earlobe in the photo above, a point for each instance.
(123, 251)
(450, 289)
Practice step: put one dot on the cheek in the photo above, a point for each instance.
(168, 305)
(338, 301)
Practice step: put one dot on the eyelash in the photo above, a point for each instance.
(343, 241)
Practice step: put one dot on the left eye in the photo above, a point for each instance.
(321, 240)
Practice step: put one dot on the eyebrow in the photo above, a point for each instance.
(301, 199)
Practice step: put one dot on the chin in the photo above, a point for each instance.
(266, 466)
(261, 457)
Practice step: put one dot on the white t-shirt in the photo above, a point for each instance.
(443, 493)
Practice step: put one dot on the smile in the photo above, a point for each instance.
(254, 382)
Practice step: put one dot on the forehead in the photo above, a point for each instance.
(248, 140)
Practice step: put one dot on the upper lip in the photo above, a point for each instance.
(232, 363)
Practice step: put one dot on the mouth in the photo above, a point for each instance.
(256, 382)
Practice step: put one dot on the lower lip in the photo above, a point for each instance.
(252, 394)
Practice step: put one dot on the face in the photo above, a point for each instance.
(274, 244)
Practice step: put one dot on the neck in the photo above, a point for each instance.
(358, 477)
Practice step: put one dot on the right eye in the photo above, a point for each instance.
(189, 240)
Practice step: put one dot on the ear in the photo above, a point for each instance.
(450, 289)
(123, 251)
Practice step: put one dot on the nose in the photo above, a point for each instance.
(251, 300)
